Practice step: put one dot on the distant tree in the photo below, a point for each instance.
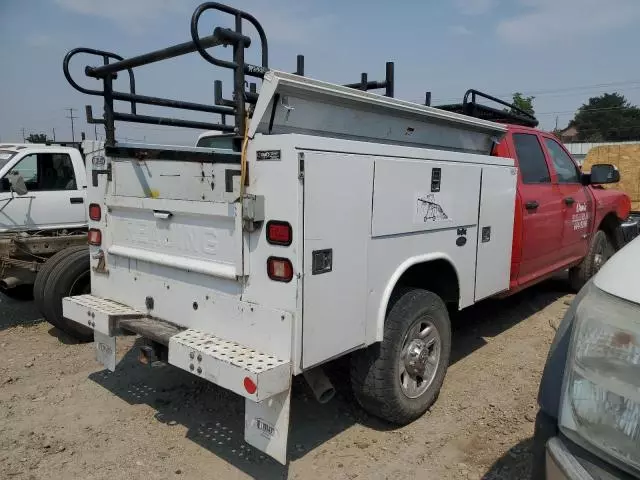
(523, 103)
(37, 138)
(609, 117)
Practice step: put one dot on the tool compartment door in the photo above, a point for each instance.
(495, 230)
(337, 228)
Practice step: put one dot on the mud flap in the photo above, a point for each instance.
(266, 425)
(105, 349)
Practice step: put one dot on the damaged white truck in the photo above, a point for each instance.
(344, 222)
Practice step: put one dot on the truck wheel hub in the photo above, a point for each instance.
(416, 357)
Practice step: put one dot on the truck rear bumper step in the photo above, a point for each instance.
(249, 373)
(241, 369)
(98, 313)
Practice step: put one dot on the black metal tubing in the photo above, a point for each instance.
(477, 93)
(171, 122)
(389, 79)
(472, 108)
(152, 57)
(105, 58)
(387, 84)
(364, 84)
(300, 65)
(427, 99)
(234, 38)
(221, 36)
(238, 65)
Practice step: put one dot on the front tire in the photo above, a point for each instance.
(400, 378)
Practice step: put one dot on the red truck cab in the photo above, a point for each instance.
(564, 219)
(561, 221)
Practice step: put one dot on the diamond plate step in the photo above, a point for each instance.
(230, 364)
(101, 315)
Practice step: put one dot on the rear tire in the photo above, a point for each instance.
(600, 250)
(400, 378)
(70, 276)
(45, 271)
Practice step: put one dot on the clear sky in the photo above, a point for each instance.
(561, 51)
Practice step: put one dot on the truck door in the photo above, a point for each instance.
(541, 208)
(576, 202)
(53, 199)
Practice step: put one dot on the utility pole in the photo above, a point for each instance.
(54, 134)
(72, 117)
(557, 122)
(24, 137)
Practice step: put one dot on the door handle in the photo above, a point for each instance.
(162, 214)
(532, 205)
(569, 201)
(76, 200)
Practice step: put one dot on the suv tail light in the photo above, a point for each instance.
(94, 237)
(279, 233)
(95, 212)
(279, 269)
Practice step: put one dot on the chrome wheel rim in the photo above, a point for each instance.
(600, 257)
(419, 358)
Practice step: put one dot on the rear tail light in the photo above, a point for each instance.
(279, 269)
(95, 212)
(94, 237)
(279, 233)
(250, 386)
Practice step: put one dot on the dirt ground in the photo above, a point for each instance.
(63, 417)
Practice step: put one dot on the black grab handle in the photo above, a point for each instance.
(231, 37)
(106, 56)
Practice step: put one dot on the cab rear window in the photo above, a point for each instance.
(5, 156)
(216, 141)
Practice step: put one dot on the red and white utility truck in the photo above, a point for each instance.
(340, 223)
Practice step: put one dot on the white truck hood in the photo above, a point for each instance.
(620, 276)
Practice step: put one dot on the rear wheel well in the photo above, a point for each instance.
(437, 276)
(610, 225)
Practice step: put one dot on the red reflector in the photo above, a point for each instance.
(95, 212)
(279, 233)
(249, 386)
(94, 237)
(279, 269)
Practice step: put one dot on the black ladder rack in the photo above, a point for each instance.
(112, 64)
(472, 108)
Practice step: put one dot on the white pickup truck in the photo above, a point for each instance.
(341, 223)
(43, 221)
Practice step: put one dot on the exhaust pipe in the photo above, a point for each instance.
(320, 384)
(10, 282)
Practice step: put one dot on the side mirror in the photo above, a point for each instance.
(17, 183)
(604, 173)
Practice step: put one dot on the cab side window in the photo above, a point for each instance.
(565, 168)
(531, 160)
(46, 172)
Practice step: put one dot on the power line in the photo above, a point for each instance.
(71, 117)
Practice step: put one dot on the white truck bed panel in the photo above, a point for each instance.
(337, 213)
(293, 104)
(405, 200)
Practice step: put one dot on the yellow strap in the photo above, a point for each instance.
(243, 158)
